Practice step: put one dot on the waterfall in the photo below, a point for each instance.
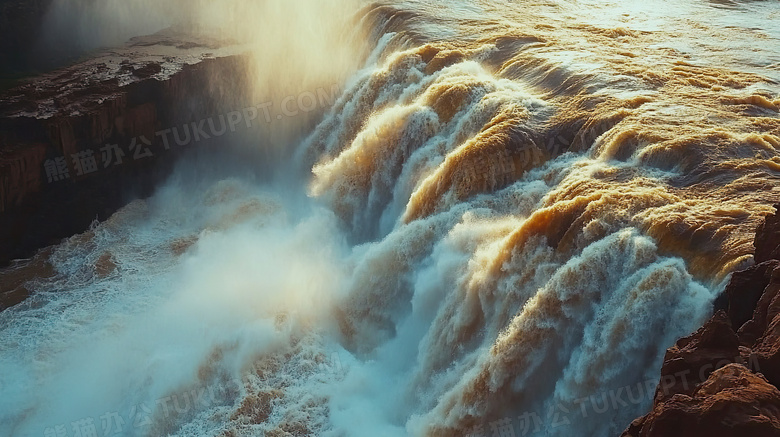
(501, 224)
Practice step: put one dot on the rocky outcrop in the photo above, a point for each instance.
(78, 143)
(733, 401)
(723, 380)
(768, 239)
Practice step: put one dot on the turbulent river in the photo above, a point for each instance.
(511, 211)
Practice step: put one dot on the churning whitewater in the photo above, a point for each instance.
(508, 215)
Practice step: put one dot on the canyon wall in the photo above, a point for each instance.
(80, 142)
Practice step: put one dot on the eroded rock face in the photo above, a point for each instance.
(733, 401)
(59, 169)
(690, 361)
(767, 247)
(745, 289)
(722, 380)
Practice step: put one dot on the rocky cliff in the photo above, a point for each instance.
(79, 142)
(723, 380)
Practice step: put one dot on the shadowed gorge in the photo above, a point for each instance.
(513, 218)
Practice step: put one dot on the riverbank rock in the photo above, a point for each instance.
(723, 380)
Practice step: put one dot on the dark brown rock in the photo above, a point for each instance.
(765, 311)
(745, 289)
(690, 362)
(767, 241)
(148, 70)
(733, 401)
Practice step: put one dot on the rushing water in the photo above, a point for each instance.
(513, 208)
